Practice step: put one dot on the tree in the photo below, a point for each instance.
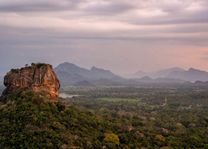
(112, 138)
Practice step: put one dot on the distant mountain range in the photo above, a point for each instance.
(72, 75)
(191, 75)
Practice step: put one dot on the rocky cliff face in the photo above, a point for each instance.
(39, 78)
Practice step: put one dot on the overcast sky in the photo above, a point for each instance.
(121, 35)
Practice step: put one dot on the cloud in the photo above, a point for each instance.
(147, 12)
(104, 7)
(104, 28)
(37, 5)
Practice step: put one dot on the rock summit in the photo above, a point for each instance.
(40, 78)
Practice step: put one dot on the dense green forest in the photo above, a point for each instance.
(107, 118)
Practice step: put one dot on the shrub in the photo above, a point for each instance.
(39, 65)
(14, 70)
(112, 138)
(160, 138)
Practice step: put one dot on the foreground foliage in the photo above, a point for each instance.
(28, 122)
(106, 120)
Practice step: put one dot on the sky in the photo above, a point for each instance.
(124, 36)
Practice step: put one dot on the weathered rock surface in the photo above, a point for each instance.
(39, 78)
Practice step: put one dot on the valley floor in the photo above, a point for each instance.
(150, 117)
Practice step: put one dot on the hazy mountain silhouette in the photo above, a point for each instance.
(71, 74)
(191, 74)
(138, 74)
(149, 80)
(166, 73)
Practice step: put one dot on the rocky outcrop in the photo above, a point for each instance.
(39, 78)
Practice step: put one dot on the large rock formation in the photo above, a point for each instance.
(39, 78)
